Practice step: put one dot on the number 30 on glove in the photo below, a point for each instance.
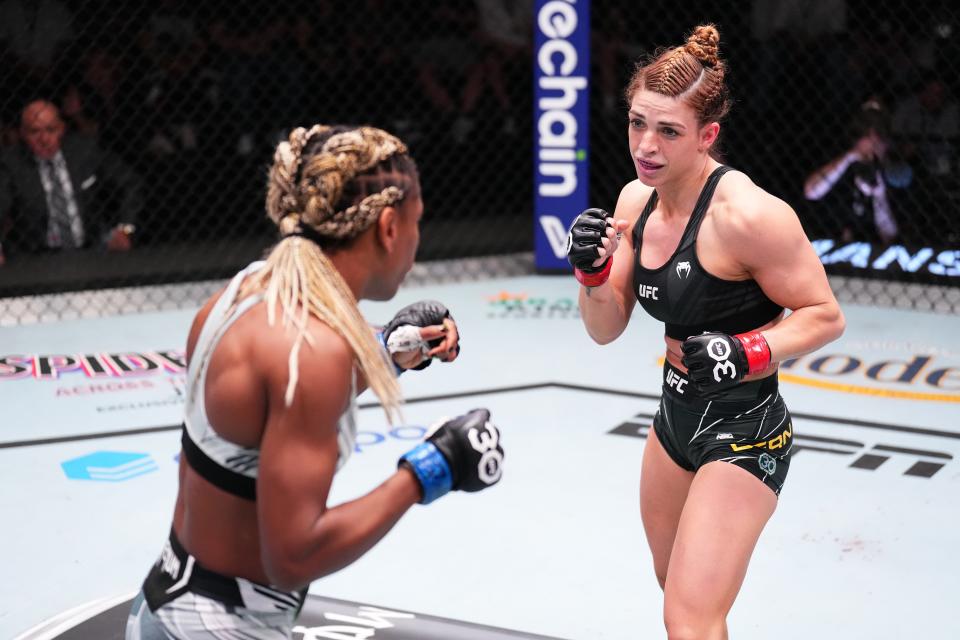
(717, 361)
(463, 454)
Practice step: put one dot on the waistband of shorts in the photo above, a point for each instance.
(191, 576)
(677, 384)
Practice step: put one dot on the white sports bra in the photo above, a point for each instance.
(223, 463)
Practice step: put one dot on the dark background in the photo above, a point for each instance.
(194, 95)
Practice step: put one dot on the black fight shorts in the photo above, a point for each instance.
(748, 425)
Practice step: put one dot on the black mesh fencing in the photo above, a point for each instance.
(171, 110)
(847, 110)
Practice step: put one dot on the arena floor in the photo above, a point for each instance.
(863, 544)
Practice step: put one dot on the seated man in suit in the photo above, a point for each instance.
(62, 191)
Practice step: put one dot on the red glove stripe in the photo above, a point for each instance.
(756, 349)
(594, 279)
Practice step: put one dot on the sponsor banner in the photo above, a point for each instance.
(125, 383)
(47, 391)
(320, 619)
(561, 64)
(521, 305)
(897, 262)
(907, 371)
(92, 366)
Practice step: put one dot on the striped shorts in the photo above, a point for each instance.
(180, 599)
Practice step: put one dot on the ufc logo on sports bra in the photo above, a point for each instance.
(647, 291)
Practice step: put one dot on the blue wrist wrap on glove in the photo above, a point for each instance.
(431, 469)
(383, 341)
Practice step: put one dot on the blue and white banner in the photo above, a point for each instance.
(912, 263)
(561, 125)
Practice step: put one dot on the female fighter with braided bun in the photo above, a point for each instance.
(717, 259)
(275, 362)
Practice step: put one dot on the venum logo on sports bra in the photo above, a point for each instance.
(683, 269)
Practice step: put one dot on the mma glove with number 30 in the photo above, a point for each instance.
(402, 333)
(463, 454)
(717, 361)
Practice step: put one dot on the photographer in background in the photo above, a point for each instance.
(863, 180)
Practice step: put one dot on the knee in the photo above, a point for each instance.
(685, 623)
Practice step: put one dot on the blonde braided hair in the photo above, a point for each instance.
(315, 173)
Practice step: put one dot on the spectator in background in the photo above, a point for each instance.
(34, 33)
(782, 30)
(927, 128)
(353, 45)
(862, 180)
(505, 37)
(63, 192)
(450, 68)
(615, 48)
(800, 72)
(172, 95)
(259, 76)
(33, 37)
(90, 102)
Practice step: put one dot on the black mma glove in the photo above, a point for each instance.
(717, 361)
(404, 327)
(461, 454)
(585, 239)
(583, 247)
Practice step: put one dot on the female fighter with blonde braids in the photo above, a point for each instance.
(276, 361)
(716, 259)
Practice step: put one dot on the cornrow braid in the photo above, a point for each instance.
(693, 73)
(281, 190)
(673, 77)
(354, 220)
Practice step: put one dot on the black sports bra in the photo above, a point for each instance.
(686, 298)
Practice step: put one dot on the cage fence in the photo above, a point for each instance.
(170, 112)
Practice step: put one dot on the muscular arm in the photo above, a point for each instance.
(301, 537)
(606, 309)
(767, 239)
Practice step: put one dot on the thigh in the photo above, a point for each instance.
(725, 511)
(663, 490)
